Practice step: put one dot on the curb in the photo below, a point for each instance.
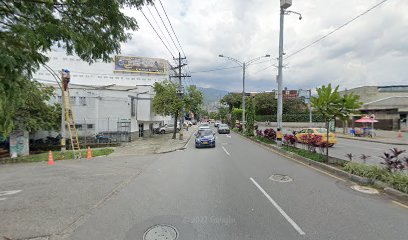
(180, 148)
(375, 141)
(393, 193)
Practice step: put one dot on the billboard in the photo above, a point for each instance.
(140, 64)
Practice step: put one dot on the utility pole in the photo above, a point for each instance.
(284, 4)
(63, 143)
(243, 96)
(310, 108)
(280, 100)
(180, 93)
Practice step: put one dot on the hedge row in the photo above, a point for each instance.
(290, 118)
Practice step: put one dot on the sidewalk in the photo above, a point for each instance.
(160, 143)
(386, 137)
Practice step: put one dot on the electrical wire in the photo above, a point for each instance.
(335, 30)
(157, 33)
(165, 27)
(172, 28)
(328, 34)
(158, 25)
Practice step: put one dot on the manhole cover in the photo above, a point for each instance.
(364, 189)
(161, 232)
(280, 178)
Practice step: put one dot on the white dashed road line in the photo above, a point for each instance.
(286, 216)
(225, 150)
(5, 193)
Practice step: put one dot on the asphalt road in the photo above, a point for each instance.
(225, 193)
(218, 193)
(357, 148)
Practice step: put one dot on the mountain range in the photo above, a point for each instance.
(212, 95)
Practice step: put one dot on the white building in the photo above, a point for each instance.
(106, 97)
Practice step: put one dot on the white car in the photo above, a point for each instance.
(169, 128)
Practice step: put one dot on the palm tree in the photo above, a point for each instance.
(349, 105)
(328, 104)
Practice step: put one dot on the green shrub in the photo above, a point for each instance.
(371, 172)
(265, 140)
(307, 154)
(397, 180)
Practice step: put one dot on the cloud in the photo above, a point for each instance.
(370, 51)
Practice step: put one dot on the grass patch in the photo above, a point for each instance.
(265, 140)
(397, 180)
(307, 154)
(58, 155)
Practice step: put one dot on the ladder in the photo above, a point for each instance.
(70, 122)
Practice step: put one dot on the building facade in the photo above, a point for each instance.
(389, 105)
(109, 98)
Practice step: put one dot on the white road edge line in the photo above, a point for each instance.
(286, 216)
(225, 150)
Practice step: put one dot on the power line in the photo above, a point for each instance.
(337, 29)
(157, 33)
(164, 35)
(172, 28)
(225, 68)
(165, 27)
(216, 69)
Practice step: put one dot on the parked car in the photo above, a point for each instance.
(223, 128)
(317, 131)
(205, 138)
(169, 128)
(216, 123)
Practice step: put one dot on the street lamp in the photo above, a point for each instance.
(244, 65)
(283, 6)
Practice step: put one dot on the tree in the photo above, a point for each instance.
(266, 104)
(193, 99)
(328, 104)
(233, 100)
(350, 104)
(250, 117)
(28, 28)
(167, 102)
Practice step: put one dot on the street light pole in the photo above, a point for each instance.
(243, 96)
(280, 100)
(283, 6)
(244, 65)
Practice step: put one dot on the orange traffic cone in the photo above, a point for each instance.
(50, 158)
(399, 134)
(89, 154)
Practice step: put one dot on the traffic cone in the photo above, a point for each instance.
(399, 134)
(50, 158)
(89, 154)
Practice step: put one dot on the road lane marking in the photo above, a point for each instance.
(2, 199)
(228, 136)
(286, 216)
(328, 174)
(400, 204)
(225, 150)
(5, 193)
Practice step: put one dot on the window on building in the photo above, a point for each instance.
(60, 99)
(82, 101)
(78, 126)
(73, 100)
(64, 59)
(99, 76)
(89, 126)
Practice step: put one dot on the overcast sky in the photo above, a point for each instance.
(372, 50)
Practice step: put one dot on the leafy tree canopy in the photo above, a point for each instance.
(166, 101)
(193, 99)
(92, 29)
(233, 100)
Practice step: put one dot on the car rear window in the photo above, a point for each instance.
(206, 133)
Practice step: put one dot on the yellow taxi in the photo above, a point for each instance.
(317, 131)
